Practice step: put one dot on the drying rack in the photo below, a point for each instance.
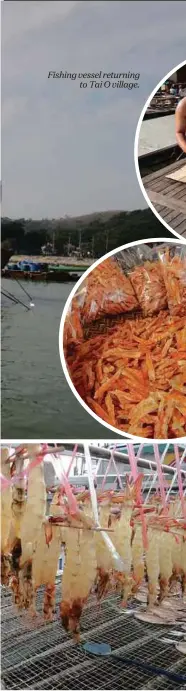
(43, 656)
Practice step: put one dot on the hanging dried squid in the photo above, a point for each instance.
(103, 554)
(183, 563)
(46, 557)
(79, 572)
(152, 564)
(122, 536)
(138, 565)
(165, 563)
(18, 500)
(33, 517)
(6, 515)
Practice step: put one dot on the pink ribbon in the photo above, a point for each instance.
(133, 461)
(72, 459)
(183, 505)
(160, 476)
(111, 460)
(24, 473)
(134, 473)
(73, 506)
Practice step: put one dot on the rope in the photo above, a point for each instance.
(14, 299)
(24, 289)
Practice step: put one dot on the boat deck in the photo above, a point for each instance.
(168, 196)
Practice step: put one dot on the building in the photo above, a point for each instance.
(179, 76)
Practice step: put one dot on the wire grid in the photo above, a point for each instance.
(47, 657)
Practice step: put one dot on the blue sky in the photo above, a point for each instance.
(67, 150)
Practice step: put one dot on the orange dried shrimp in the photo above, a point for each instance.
(174, 274)
(134, 378)
(73, 332)
(107, 291)
(149, 287)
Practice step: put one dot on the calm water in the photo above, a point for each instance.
(36, 399)
(156, 134)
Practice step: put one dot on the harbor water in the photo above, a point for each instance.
(37, 401)
(156, 134)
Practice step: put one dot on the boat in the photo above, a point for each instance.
(6, 253)
(152, 113)
(166, 194)
(154, 160)
(54, 274)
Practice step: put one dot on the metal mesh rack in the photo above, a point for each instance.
(36, 655)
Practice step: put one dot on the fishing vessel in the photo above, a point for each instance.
(32, 271)
(6, 253)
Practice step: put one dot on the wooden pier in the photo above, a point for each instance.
(167, 196)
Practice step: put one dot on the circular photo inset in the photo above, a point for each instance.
(122, 340)
(160, 151)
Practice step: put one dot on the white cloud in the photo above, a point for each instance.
(22, 17)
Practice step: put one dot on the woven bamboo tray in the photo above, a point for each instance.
(105, 324)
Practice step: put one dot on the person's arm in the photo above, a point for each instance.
(181, 125)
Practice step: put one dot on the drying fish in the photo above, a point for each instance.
(181, 647)
(151, 618)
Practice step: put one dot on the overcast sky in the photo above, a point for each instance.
(67, 150)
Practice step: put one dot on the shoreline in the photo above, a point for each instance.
(68, 261)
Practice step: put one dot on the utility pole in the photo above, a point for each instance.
(93, 246)
(79, 240)
(107, 240)
(69, 239)
(53, 241)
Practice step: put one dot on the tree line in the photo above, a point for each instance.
(97, 234)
